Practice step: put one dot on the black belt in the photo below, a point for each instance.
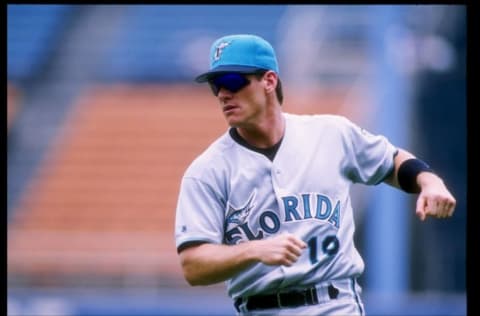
(297, 298)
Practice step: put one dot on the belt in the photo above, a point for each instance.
(294, 298)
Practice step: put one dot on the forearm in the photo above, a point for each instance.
(207, 263)
(401, 156)
(416, 177)
(211, 263)
(399, 159)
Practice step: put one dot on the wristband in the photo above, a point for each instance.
(407, 174)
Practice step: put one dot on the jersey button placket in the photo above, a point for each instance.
(277, 180)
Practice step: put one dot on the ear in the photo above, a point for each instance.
(271, 79)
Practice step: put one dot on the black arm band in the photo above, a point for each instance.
(407, 174)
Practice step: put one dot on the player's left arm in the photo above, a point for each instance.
(434, 199)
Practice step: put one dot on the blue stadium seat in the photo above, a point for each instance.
(31, 34)
(148, 49)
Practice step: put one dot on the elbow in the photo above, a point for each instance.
(194, 281)
(194, 278)
(191, 271)
(191, 278)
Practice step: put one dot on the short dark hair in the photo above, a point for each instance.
(278, 88)
(279, 91)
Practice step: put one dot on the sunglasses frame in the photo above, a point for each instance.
(216, 88)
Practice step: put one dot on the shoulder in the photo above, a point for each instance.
(212, 158)
(326, 118)
(319, 121)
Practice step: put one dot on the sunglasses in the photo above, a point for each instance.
(233, 82)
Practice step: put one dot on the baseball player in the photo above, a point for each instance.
(266, 207)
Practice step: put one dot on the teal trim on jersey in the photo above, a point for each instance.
(357, 296)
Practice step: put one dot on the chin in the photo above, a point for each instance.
(233, 123)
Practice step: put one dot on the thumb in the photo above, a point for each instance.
(420, 208)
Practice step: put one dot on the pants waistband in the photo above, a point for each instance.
(295, 297)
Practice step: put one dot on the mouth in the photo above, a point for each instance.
(229, 108)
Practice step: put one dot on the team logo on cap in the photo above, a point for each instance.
(219, 50)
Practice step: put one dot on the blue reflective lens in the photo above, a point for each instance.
(233, 82)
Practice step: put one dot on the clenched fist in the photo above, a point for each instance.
(434, 198)
(284, 249)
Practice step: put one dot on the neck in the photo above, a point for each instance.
(266, 133)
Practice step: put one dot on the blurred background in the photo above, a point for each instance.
(103, 119)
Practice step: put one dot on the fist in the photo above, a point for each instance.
(284, 249)
(434, 199)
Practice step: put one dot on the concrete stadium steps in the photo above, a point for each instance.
(103, 202)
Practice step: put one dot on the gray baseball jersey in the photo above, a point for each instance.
(231, 194)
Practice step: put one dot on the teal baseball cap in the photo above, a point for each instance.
(241, 53)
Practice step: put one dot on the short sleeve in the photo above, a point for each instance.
(199, 213)
(370, 157)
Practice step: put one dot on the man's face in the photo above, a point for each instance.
(242, 98)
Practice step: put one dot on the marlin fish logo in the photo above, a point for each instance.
(239, 215)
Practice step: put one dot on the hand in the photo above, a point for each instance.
(284, 249)
(434, 198)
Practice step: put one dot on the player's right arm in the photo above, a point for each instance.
(209, 263)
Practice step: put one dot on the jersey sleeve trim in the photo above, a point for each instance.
(392, 168)
(192, 243)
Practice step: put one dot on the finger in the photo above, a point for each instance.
(293, 249)
(420, 208)
(296, 241)
(446, 209)
(292, 257)
(421, 214)
(451, 208)
(432, 207)
(301, 244)
(297, 251)
(289, 260)
(442, 210)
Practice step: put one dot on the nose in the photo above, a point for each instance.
(222, 93)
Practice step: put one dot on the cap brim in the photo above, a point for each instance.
(225, 69)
